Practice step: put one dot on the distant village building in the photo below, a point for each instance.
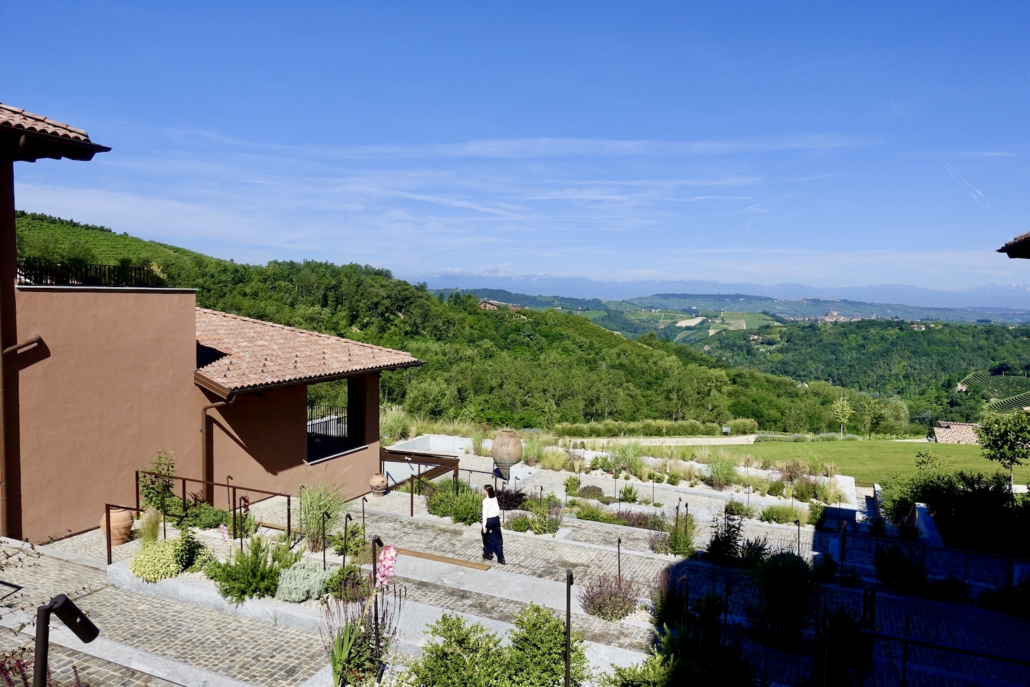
(496, 305)
(955, 433)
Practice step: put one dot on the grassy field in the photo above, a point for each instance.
(871, 461)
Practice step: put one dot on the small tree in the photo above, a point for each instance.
(842, 412)
(1005, 438)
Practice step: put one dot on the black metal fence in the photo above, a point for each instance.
(37, 272)
(327, 431)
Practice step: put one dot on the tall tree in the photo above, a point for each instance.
(842, 411)
(1005, 438)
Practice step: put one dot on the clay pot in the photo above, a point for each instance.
(506, 451)
(121, 525)
(377, 484)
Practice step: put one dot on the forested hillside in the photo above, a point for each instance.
(521, 368)
(923, 366)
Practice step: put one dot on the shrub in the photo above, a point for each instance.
(355, 539)
(609, 598)
(793, 470)
(571, 485)
(898, 572)
(459, 654)
(628, 494)
(302, 581)
(739, 509)
(186, 548)
(316, 500)
(783, 514)
(816, 514)
(877, 527)
(674, 479)
(783, 601)
(253, 572)
(658, 541)
(804, 489)
(601, 462)
(520, 523)
(149, 525)
(745, 425)
(776, 488)
(465, 507)
(754, 551)
(669, 599)
(349, 583)
(155, 562)
(724, 545)
(536, 655)
(640, 520)
(508, 499)
(201, 515)
(591, 492)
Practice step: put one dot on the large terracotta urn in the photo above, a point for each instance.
(377, 484)
(121, 525)
(506, 451)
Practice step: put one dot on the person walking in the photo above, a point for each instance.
(492, 542)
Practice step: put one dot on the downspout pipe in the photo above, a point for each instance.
(10, 453)
(206, 450)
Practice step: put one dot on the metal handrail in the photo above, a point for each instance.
(233, 489)
(107, 521)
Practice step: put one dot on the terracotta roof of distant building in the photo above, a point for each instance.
(242, 354)
(955, 433)
(45, 137)
(1018, 247)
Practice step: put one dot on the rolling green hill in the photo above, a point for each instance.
(526, 368)
(923, 366)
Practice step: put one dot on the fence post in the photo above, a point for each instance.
(619, 550)
(137, 491)
(568, 628)
(233, 512)
(289, 530)
(843, 550)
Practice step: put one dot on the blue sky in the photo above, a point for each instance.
(818, 143)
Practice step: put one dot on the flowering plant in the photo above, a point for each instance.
(223, 530)
(385, 571)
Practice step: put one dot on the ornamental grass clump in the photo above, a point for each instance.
(149, 525)
(321, 506)
(609, 598)
(628, 494)
(721, 473)
(783, 514)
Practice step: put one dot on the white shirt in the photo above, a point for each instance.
(490, 510)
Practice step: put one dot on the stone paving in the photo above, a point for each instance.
(237, 647)
(593, 629)
(93, 671)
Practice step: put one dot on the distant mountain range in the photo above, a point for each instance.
(806, 308)
(1013, 297)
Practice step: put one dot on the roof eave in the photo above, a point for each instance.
(39, 146)
(206, 382)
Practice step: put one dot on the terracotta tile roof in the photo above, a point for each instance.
(955, 433)
(20, 119)
(35, 136)
(239, 353)
(1016, 247)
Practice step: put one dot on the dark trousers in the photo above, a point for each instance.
(492, 542)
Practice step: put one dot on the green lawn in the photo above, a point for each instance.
(871, 461)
